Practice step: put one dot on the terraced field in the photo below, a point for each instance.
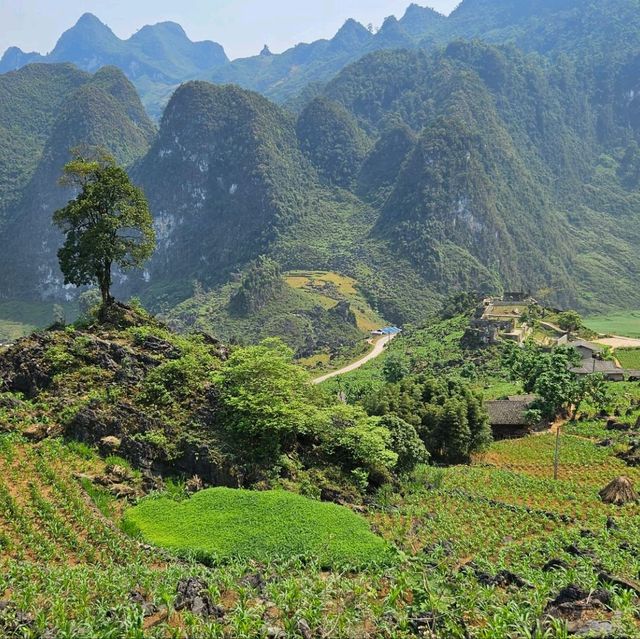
(628, 357)
(626, 324)
(327, 288)
(66, 566)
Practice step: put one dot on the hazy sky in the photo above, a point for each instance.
(241, 26)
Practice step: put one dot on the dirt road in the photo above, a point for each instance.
(618, 342)
(376, 351)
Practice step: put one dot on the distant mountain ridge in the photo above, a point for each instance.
(160, 57)
(156, 58)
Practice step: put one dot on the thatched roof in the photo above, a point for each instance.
(619, 492)
(509, 412)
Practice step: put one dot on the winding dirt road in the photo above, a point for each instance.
(376, 351)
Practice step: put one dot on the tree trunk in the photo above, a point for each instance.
(104, 281)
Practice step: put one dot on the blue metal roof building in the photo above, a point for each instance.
(389, 330)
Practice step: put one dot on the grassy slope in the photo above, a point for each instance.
(222, 523)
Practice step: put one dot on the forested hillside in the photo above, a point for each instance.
(102, 110)
(413, 171)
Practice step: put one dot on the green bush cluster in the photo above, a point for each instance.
(446, 414)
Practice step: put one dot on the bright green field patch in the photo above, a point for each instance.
(629, 357)
(626, 324)
(223, 523)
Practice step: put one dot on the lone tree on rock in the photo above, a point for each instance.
(107, 223)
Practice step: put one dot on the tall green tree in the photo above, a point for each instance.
(570, 321)
(549, 375)
(107, 223)
(266, 400)
(447, 415)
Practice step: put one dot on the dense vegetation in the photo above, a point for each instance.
(393, 181)
(413, 171)
(485, 549)
(221, 524)
(186, 405)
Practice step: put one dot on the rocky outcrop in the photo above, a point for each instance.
(123, 385)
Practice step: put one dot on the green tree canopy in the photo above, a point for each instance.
(449, 418)
(569, 321)
(548, 375)
(266, 399)
(107, 223)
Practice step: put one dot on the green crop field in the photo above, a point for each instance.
(628, 357)
(223, 523)
(626, 324)
(64, 564)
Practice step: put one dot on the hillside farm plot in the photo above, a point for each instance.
(626, 324)
(67, 570)
(581, 461)
(458, 527)
(222, 523)
(628, 357)
(328, 288)
(18, 318)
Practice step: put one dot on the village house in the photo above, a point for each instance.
(508, 417)
(593, 362)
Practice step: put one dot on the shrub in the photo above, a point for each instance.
(59, 358)
(358, 441)
(406, 443)
(267, 400)
(396, 367)
(175, 378)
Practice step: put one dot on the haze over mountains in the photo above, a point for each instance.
(159, 57)
(412, 159)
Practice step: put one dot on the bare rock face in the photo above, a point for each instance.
(584, 612)
(192, 595)
(23, 370)
(632, 456)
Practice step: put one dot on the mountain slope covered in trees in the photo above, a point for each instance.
(102, 110)
(413, 171)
